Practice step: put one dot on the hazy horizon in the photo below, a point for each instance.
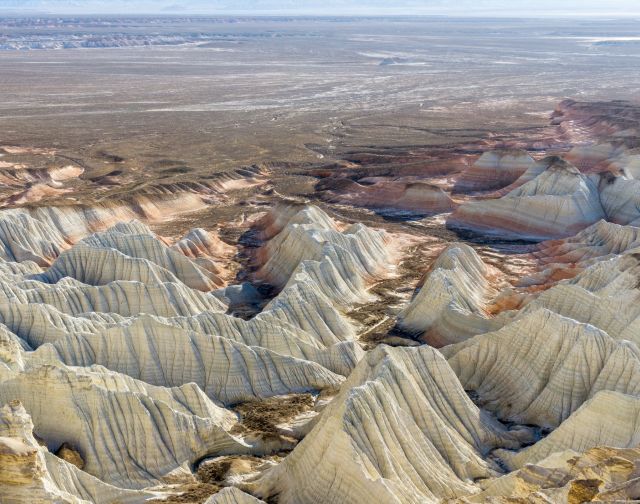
(524, 8)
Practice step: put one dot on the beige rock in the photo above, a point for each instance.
(620, 199)
(451, 305)
(29, 473)
(66, 452)
(227, 371)
(601, 474)
(339, 262)
(232, 495)
(543, 367)
(126, 298)
(494, 170)
(38, 324)
(607, 419)
(558, 202)
(128, 433)
(201, 243)
(402, 429)
(20, 463)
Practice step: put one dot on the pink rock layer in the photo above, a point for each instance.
(391, 194)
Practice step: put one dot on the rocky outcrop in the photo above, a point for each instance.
(494, 170)
(628, 164)
(227, 371)
(129, 372)
(620, 199)
(618, 315)
(600, 241)
(555, 364)
(128, 252)
(309, 244)
(19, 175)
(122, 297)
(38, 324)
(564, 259)
(42, 233)
(321, 267)
(557, 203)
(595, 121)
(30, 473)
(135, 324)
(452, 303)
(608, 419)
(159, 430)
(301, 305)
(604, 294)
(601, 474)
(232, 495)
(594, 156)
(206, 249)
(106, 354)
(390, 195)
(528, 175)
(402, 429)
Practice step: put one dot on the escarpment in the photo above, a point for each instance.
(396, 195)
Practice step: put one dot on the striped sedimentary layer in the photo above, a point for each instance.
(401, 430)
(557, 203)
(393, 195)
(128, 339)
(452, 303)
(494, 170)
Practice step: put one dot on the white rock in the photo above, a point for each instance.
(558, 202)
(227, 371)
(620, 199)
(451, 304)
(30, 473)
(232, 495)
(608, 419)
(401, 430)
(128, 433)
(542, 367)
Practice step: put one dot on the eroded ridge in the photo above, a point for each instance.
(101, 327)
(458, 324)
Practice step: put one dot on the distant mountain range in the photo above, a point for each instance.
(325, 6)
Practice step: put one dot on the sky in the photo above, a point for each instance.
(337, 7)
